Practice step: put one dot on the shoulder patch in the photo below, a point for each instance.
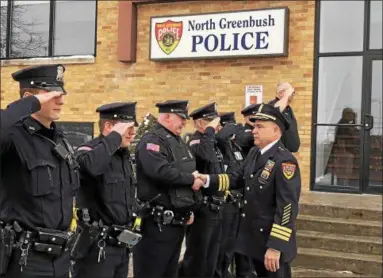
(288, 169)
(152, 147)
(84, 148)
(193, 142)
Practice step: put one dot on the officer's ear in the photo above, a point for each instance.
(26, 92)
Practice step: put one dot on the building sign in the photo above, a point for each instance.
(213, 35)
(253, 94)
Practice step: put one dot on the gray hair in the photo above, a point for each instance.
(283, 86)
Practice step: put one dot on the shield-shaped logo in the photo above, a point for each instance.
(168, 35)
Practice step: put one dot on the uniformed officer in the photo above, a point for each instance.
(38, 182)
(203, 237)
(272, 182)
(106, 190)
(165, 174)
(24, 107)
(244, 136)
(232, 158)
(284, 96)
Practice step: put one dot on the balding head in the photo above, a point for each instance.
(282, 88)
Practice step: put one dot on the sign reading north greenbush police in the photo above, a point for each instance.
(216, 35)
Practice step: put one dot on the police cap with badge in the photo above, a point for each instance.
(119, 111)
(179, 107)
(267, 112)
(46, 77)
(250, 110)
(207, 112)
(227, 118)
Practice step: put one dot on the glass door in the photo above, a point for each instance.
(372, 174)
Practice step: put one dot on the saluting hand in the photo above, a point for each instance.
(214, 123)
(121, 128)
(44, 98)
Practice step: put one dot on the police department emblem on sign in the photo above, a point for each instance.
(168, 35)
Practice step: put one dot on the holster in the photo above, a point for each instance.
(7, 241)
(87, 235)
(52, 242)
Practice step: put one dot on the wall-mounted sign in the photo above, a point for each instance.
(224, 34)
(77, 133)
(253, 94)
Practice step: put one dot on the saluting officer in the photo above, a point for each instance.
(203, 237)
(233, 159)
(284, 97)
(165, 174)
(272, 182)
(244, 136)
(38, 182)
(106, 191)
(24, 107)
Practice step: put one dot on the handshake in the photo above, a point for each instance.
(199, 180)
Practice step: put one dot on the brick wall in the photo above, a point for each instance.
(222, 80)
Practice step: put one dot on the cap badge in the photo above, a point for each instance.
(60, 73)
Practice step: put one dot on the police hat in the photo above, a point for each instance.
(227, 118)
(267, 112)
(46, 77)
(179, 107)
(208, 112)
(250, 110)
(120, 111)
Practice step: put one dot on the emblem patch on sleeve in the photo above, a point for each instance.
(152, 147)
(288, 170)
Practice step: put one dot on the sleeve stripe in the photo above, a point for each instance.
(280, 233)
(287, 210)
(287, 206)
(279, 236)
(285, 217)
(285, 222)
(226, 177)
(220, 183)
(278, 227)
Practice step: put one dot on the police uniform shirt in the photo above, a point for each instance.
(156, 172)
(37, 187)
(107, 177)
(272, 183)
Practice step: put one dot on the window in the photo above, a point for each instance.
(347, 97)
(32, 29)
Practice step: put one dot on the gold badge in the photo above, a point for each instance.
(265, 174)
(288, 170)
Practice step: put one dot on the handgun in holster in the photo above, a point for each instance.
(7, 241)
(87, 235)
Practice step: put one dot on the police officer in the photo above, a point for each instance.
(284, 96)
(24, 107)
(38, 182)
(244, 136)
(203, 237)
(106, 191)
(272, 182)
(165, 177)
(232, 158)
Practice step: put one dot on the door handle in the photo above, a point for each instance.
(368, 122)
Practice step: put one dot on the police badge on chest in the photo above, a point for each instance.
(266, 172)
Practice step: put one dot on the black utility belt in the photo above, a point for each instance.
(235, 197)
(163, 216)
(214, 203)
(53, 242)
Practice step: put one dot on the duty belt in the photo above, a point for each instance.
(49, 241)
(163, 216)
(214, 203)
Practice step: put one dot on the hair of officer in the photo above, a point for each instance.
(282, 86)
(33, 91)
(102, 122)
